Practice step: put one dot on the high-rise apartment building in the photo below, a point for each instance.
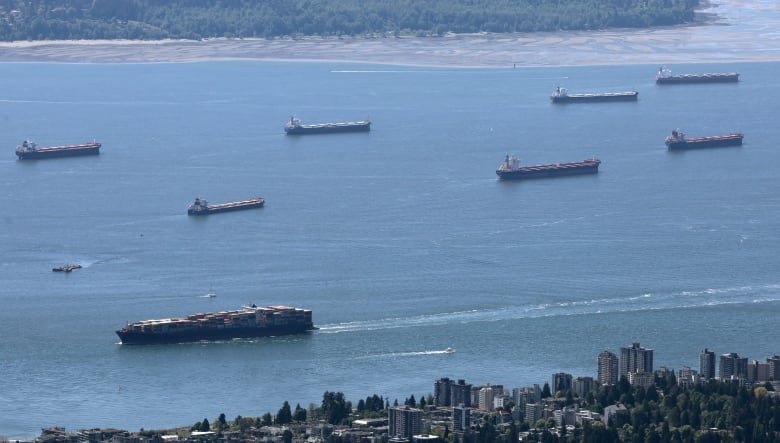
(460, 393)
(561, 381)
(608, 368)
(461, 418)
(774, 367)
(635, 359)
(732, 366)
(442, 392)
(404, 422)
(707, 364)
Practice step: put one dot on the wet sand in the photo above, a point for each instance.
(725, 31)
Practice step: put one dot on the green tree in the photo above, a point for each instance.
(284, 415)
(300, 413)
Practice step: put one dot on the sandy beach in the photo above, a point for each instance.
(726, 31)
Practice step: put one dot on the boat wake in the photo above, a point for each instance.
(738, 295)
(406, 354)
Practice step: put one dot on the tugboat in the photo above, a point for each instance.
(665, 77)
(201, 206)
(511, 169)
(67, 268)
(294, 127)
(678, 141)
(29, 150)
(561, 95)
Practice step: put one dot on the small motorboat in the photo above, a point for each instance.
(67, 268)
(449, 350)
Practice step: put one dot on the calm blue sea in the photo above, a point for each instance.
(400, 240)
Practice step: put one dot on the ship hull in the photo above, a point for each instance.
(328, 128)
(546, 171)
(705, 142)
(593, 98)
(698, 78)
(43, 153)
(215, 209)
(215, 334)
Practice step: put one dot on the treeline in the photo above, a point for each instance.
(199, 19)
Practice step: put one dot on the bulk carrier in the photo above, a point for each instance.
(29, 150)
(561, 95)
(202, 207)
(294, 127)
(665, 77)
(511, 169)
(678, 141)
(247, 322)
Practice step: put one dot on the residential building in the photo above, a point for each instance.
(533, 412)
(608, 368)
(460, 393)
(707, 364)
(486, 396)
(687, 377)
(757, 371)
(461, 418)
(635, 359)
(582, 385)
(643, 379)
(732, 366)
(442, 392)
(612, 412)
(774, 367)
(404, 422)
(561, 381)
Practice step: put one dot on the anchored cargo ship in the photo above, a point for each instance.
(511, 169)
(294, 127)
(247, 322)
(561, 95)
(202, 207)
(665, 77)
(29, 150)
(678, 140)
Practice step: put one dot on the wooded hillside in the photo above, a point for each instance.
(197, 19)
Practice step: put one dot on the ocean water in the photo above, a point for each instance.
(401, 240)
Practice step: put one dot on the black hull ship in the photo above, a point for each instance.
(294, 127)
(678, 141)
(511, 169)
(665, 77)
(30, 151)
(202, 207)
(561, 95)
(247, 322)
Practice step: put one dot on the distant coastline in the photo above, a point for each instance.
(729, 31)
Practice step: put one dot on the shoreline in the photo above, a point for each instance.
(727, 31)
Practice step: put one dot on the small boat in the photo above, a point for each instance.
(67, 268)
(210, 294)
(449, 350)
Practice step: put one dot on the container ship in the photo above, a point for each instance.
(247, 322)
(202, 207)
(511, 169)
(678, 141)
(665, 77)
(294, 127)
(29, 150)
(561, 95)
